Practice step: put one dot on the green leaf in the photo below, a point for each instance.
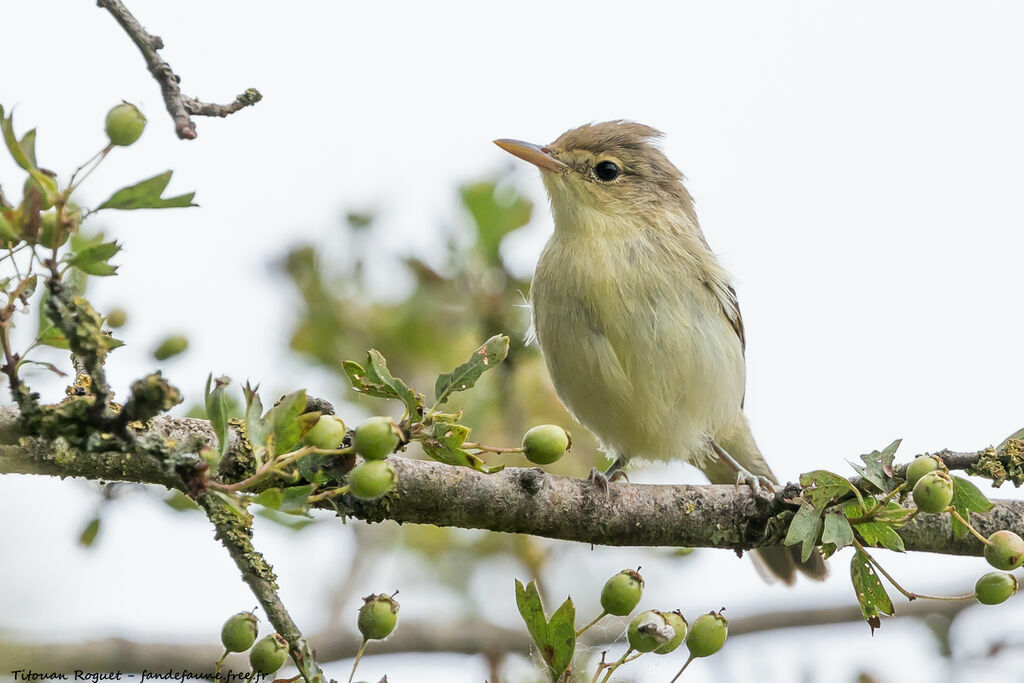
(376, 380)
(495, 213)
(281, 424)
(804, 530)
(28, 146)
(837, 533)
(555, 639)
(146, 195)
(293, 500)
(254, 418)
(13, 145)
(871, 594)
(562, 636)
(290, 521)
(967, 498)
(217, 410)
(466, 375)
(93, 258)
(822, 487)
(89, 533)
(444, 444)
(51, 336)
(877, 467)
(879, 534)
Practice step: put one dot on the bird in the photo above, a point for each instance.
(637, 320)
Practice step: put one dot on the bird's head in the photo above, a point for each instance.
(614, 168)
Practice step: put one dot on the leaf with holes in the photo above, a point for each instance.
(466, 375)
(871, 594)
(879, 534)
(822, 487)
(877, 467)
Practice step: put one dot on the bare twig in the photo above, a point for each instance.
(180, 107)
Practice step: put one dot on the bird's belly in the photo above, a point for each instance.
(653, 376)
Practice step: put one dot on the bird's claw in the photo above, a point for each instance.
(758, 483)
(601, 480)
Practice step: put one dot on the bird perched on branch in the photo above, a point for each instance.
(637, 321)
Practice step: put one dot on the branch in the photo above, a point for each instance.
(519, 500)
(179, 106)
(470, 636)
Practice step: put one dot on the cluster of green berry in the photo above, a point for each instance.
(239, 634)
(932, 489)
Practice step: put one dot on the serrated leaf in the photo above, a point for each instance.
(877, 467)
(146, 195)
(879, 534)
(281, 425)
(837, 532)
(967, 498)
(492, 352)
(376, 380)
(217, 410)
(562, 636)
(804, 530)
(822, 487)
(871, 594)
(93, 258)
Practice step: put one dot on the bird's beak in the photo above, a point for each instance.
(541, 157)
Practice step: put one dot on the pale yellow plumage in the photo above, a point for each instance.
(636, 318)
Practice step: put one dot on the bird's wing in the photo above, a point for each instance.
(726, 296)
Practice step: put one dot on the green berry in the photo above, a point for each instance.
(648, 631)
(707, 634)
(622, 592)
(171, 346)
(1006, 551)
(376, 438)
(116, 318)
(933, 492)
(679, 625)
(921, 466)
(328, 432)
(269, 654)
(371, 479)
(239, 632)
(377, 616)
(545, 444)
(995, 587)
(125, 124)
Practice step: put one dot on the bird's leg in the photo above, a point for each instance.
(743, 475)
(613, 473)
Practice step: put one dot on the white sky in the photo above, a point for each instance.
(857, 166)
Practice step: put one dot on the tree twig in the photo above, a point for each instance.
(180, 107)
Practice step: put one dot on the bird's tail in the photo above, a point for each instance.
(778, 562)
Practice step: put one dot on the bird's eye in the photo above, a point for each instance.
(607, 171)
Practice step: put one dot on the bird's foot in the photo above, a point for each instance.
(602, 479)
(757, 482)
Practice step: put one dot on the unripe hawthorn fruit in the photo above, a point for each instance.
(545, 444)
(239, 632)
(269, 654)
(995, 587)
(1006, 551)
(648, 631)
(171, 346)
(117, 318)
(622, 592)
(371, 479)
(328, 432)
(707, 634)
(376, 438)
(933, 492)
(125, 124)
(921, 466)
(679, 625)
(377, 616)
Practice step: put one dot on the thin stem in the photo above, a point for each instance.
(956, 515)
(890, 495)
(220, 663)
(359, 655)
(680, 672)
(617, 664)
(599, 617)
(909, 595)
(492, 449)
(72, 185)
